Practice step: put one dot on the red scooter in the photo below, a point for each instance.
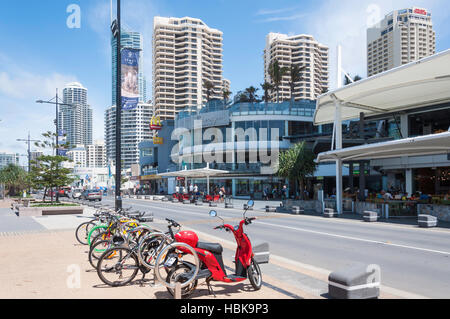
(211, 265)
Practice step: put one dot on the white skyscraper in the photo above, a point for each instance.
(186, 53)
(76, 120)
(135, 128)
(96, 155)
(401, 37)
(301, 50)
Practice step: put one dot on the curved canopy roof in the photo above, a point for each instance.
(417, 84)
(417, 146)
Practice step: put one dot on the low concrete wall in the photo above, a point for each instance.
(307, 205)
(45, 211)
(442, 212)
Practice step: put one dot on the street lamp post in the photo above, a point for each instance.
(29, 140)
(57, 104)
(116, 30)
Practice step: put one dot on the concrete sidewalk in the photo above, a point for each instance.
(47, 264)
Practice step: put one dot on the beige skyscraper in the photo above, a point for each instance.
(186, 52)
(301, 50)
(401, 37)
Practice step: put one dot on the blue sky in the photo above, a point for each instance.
(39, 53)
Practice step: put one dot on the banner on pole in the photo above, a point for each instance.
(130, 79)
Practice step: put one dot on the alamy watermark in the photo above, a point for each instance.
(229, 145)
(74, 19)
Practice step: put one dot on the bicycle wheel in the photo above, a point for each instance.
(95, 231)
(118, 266)
(82, 232)
(149, 248)
(174, 276)
(97, 251)
(104, 235)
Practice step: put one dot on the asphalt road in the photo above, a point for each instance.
(411, 259)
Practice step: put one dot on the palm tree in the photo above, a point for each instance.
(266, 86)
(295, 73)
(226, 94)
(209, 86)
(251, 93)
(276, 73)
(296, 164)
(15, 178)
(356, 78)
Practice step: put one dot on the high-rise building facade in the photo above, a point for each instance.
(6, 159)
(75, 121)
(135, 126)
(96, 155)
(401, 37)
(302, 50)
(78, 156)
(186, 53)
(129, 40)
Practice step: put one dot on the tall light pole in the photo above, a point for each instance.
(29, 140)
(116, 30)
(57, 104)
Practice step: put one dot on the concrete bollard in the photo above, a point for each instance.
(427, 221)
(370, 216)
(358, 281)
(329, 213)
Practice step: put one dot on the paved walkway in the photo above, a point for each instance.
(52, 265)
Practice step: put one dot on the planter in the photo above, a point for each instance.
(48, 211)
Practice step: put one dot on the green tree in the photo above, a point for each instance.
(267, 87)
(251, 93)
(226, 95)
(295, 74)
(209, 86)
(48, 173)
(15, 178)
(356, 78)
(276, 73)
(296, 164)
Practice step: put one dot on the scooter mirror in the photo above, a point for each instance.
(250, 203)
(213, 213)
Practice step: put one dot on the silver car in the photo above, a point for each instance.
(92, 195)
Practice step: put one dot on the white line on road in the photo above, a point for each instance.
(356, 238)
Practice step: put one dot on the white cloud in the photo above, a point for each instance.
(19, 113)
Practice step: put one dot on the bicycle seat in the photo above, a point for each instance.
(214, 248)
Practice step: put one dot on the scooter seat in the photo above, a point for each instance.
(214, 248)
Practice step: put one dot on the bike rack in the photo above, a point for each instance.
(176, 287)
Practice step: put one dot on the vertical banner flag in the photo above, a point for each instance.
(130, 78)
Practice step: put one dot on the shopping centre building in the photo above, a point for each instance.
(236, 145)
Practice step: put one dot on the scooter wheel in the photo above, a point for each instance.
(174, 277)
(254, 275)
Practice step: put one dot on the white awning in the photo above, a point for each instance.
(416, 146)
(195, 173)
(417, 84)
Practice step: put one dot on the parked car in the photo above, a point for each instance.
(61, 193)
(76, 193)
(91, 195)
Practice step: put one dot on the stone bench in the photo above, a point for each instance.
(329, 213)
(186, 201)
(212, 204)
(248, 207)
(427, 221)
(358, 281)
(370, 216)
(198, 203)
(228, 205)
